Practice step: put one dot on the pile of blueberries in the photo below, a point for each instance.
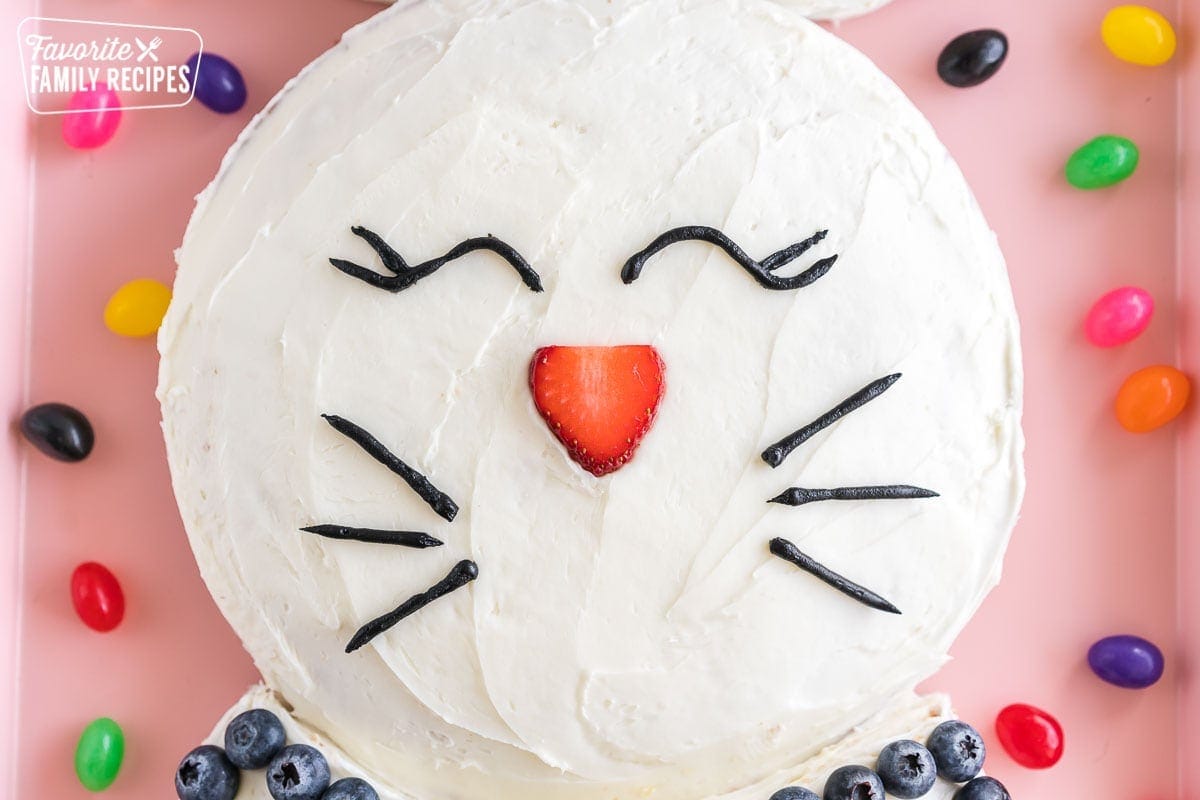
(255, 739)
(908, 769)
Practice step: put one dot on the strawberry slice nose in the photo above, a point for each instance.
(599, 402)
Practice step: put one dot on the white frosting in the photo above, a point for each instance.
(909, 717)
(627, 635)
(834, 9)
(818, 9)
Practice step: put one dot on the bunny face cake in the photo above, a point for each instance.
(588, 400)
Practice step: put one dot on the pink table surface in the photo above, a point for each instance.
(1106, 543)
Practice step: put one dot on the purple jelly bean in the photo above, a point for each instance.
(95, 115)
(1119, 316)
(219, 84)
(1130, 662)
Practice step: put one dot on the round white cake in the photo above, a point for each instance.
(630, 634)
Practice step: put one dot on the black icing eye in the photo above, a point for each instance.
(403, 275)
(762, 271)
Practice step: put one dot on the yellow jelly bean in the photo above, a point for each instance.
(1138, 35)
(137, 308)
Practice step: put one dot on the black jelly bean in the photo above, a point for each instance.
(59, 431)
(972, 58)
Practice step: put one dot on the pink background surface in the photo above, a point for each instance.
(1106, 543)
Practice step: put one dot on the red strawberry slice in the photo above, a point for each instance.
(598, 401)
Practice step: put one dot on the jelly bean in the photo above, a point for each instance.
(1151, 397)
(1119, 316)
(99, 754)
(1130, 662)
(1104, 161)
(97, 597)
(94, 118)
(1138, 35)
(137, 308)
(1032, 737)
(59, 431)
(972, 58)
(219, 84)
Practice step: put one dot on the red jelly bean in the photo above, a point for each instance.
(93, 117)
(97, 596)
(1032, 737)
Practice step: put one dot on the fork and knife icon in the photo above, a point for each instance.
(148, 49)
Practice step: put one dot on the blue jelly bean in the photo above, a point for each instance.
(1130, 662)
(219, 84)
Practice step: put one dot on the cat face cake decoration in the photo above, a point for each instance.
(634, 391)
(602, 382)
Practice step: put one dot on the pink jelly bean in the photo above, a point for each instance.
(1119, 316)
(97, 115)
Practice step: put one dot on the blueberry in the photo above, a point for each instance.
(59, 431)
(794, 793)
(853, 783)
(253, 738)
(356, 789)
(907, 769)
(983, 789)
(958, 750)
(206, 774)
(298, 772)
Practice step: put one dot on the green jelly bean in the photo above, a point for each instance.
(1104, 161)
(99, 754)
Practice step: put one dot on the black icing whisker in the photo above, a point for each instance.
(790, 553)
(403, 275)
(437, 500)
(463, 573)
(776, 453)
(375, 535)
(762, 271)
(796, 496)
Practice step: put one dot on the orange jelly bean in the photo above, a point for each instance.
(1152, 397)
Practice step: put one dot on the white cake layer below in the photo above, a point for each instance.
(911, 717)
(813, 9)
